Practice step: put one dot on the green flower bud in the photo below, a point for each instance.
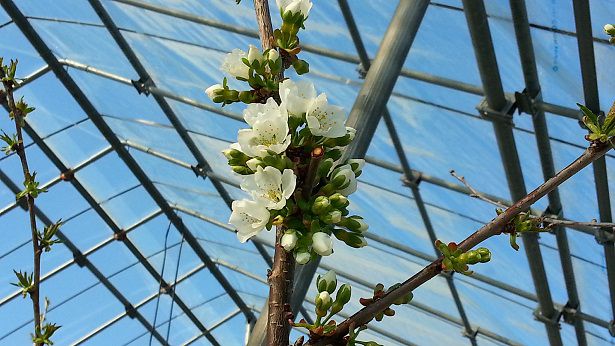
(343, 294)
(473, 257)
(321, 205)
(338, 200)
(302, 257)
(323, 303)
(485, 254)
(328, 282)
(331, 217)
(463, 258)
(350, 238)
(243, 170)
(246, 97)
(325, 167)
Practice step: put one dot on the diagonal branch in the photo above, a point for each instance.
(363, 316)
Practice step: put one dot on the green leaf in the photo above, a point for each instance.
(593, 117)
(25, 282)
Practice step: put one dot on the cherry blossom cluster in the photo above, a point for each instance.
(291, 156)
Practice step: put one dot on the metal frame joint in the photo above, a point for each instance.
(526, 103)
(413, 182)
(143, 85)
(199, 170)
(79, 259)
(554, 320)
(504, 115)
(569, 312)
(603, 236)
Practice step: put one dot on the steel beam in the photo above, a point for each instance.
(532, 90)
(478, 25)
(582, 18)
(89, 265)
(151, 297)
(146, 79)
(412, 183)
(412, 74)
(44, 51)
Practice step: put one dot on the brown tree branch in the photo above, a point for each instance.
(494, 227)
(21, 152)
(281, 275)
(548, 220)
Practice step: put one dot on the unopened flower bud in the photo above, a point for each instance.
(289, 240)
(273, 55)
(328, 282)
(302, 257)
(254, 54)
(322, 244)
(332, 217)
(324, 298)
(352, 132)
(485, 254)
(338, 200)
(323, 303)
(254, 163)
(609, 29)
(343, 294)
(243, 170)
(321, 205)
(350, 238)
(356, 165)
(213, 91)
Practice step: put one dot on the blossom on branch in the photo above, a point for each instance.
(322, 244)
(249, 218)
(324, 119)
(297, 97)
(234, 65)
(270, 187)
(269, 130)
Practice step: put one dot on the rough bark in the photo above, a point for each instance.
(281, 275)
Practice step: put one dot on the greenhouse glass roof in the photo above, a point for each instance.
(118, 87)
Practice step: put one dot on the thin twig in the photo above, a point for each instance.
(21, 152)
(494, 227)
(549, 221)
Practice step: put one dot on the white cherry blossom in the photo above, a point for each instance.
(234, 66)
(324, 119)
(270, 187)
(249, 218)
(297, 97)
(269, 130)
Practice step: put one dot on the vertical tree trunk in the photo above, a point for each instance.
(281, 275)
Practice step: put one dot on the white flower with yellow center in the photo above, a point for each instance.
(269, 130)
(249, 218)
(234, 66)
(270, 187)
(297, 97)
(324, 119)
